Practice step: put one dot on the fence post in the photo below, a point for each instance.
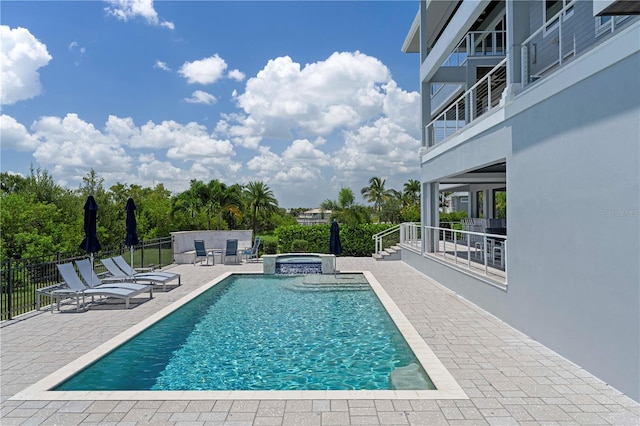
(141, 256)
(160, 254)
(9, 288)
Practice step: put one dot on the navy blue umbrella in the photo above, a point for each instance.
(335, 247)
(90, 244)
(132, 227)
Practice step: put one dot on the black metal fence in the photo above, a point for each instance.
(20, 278)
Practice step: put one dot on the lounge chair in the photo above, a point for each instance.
(144, 277)
(202, 252)
(251, 253)
(77, 289)
(92, 280)
(127, 269)
(231, 250)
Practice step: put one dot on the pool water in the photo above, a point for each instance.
(256, 332)
(298, 264)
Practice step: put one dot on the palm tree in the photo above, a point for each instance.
(411, 193)
(259, 199)
(221, 199)
(346, 198)
(376, 193)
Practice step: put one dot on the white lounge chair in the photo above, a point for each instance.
(122, 264)
(92, 280)
(145, 277)
(77, 289)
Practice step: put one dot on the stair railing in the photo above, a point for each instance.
(380, 235)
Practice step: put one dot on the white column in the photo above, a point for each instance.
(430, 212)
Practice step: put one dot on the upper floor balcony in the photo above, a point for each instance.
(565, 34)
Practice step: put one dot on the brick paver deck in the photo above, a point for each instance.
(510, 379)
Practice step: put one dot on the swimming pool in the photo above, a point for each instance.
(256, 332)
(446, 386)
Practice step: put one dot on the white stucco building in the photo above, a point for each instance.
(540, 99)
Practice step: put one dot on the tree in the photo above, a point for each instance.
(188, 203)
(259, 198)
(376, 193)
(346, 198)
(411, 194)
(221, 200)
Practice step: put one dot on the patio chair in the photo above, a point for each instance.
(201, 252)
(77, 289)
(231, 250)
(148, 277)
(138, 272)
(251, 253)
(92, 280)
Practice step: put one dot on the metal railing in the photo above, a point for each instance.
(479, 252)
(477, 43)
(20, 278)
(547, 48)
(481, 98)
(386, 238)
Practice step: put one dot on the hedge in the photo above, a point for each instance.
(356, 241)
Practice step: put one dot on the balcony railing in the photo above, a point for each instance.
(565, 37)
(482, 253)
(481, 98)
(477, 43)
(551, 45)
(474, 44)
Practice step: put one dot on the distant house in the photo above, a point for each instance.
(456, 202)
(314, 217)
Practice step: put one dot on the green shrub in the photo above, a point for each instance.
(299, 246)
(356, 241)
(268, 244)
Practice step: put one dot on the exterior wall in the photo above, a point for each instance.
(182, 242)
(574, 184)
(572, 147)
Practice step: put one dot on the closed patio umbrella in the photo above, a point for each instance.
(90, 244)
(132, 227)
(335, 247)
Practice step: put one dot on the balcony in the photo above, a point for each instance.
(481, 98)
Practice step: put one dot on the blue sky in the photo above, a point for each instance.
(306, 96)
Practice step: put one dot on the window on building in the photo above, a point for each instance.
(606, 24)
(551, 8)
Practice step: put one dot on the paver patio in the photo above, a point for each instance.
(510, 379)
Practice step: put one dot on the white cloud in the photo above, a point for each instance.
(204, 71)
(236, 75)
(201, 97)
(78, 50)
(73, 147)
(161, 65)
(381, 148)
(285, 100)
(129, 9)
(69, 147)
(21, 55)
(403, 108)
(15, 135)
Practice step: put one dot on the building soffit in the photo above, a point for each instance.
(465, 17)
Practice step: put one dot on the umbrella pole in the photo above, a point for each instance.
(131, 250)
(91, 256)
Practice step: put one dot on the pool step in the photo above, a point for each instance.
(329, 283)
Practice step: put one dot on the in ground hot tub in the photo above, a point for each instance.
(298, 263)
